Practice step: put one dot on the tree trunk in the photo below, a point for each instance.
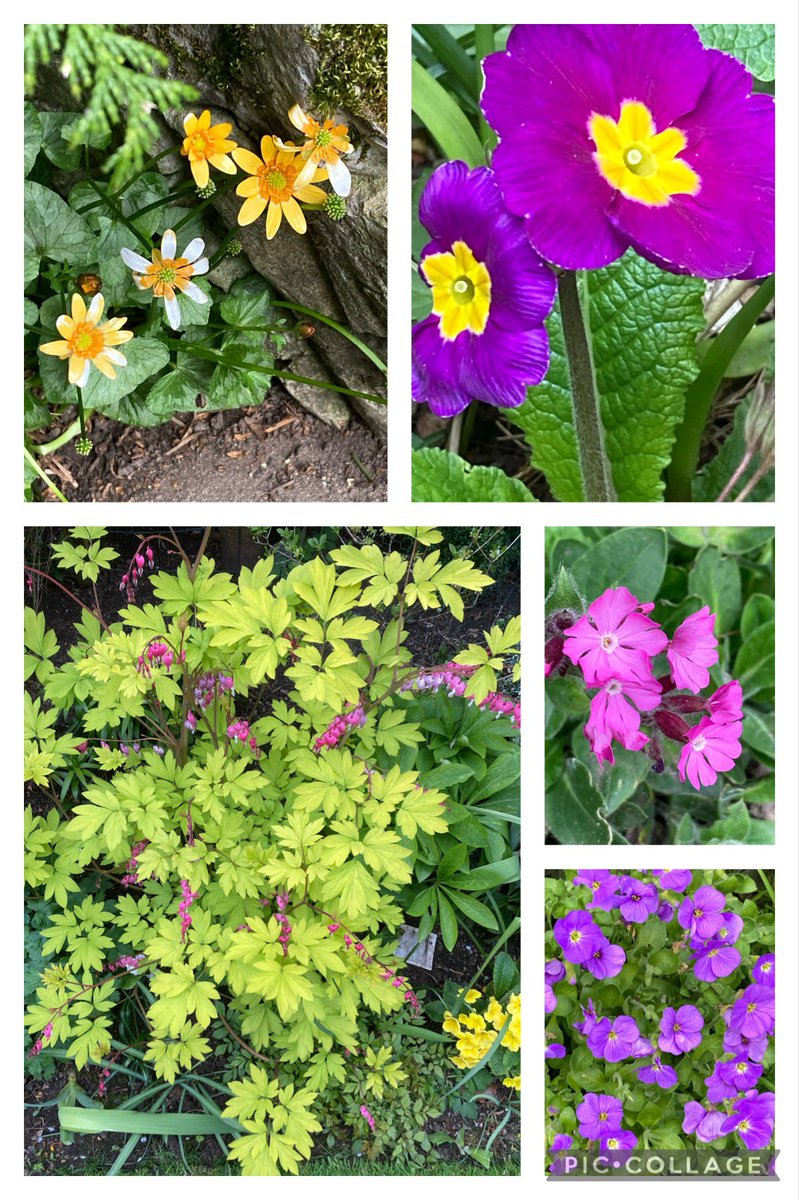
(251, 75)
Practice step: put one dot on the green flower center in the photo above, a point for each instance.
(324, 137)
(167, 275)
(640, 160)
(463, 290)
(276, 180)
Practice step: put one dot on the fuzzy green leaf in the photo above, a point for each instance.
(753, 45)
(574, 809)
(439, 475)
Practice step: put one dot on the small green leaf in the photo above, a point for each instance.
(439, 476)
(753, 45)
(33, 135)
(177, 391)
(564, 593)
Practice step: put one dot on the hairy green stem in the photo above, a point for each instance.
(701, 393)
(594, 464)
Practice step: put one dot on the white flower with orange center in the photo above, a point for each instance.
(277, 181)
(205, 143)
(323, 145)
(87, 342)
(169, 272)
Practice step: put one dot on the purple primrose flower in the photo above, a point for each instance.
(603, 887)
(753, 1011)
(763, 970)
(715, 960)
(706, 1123)
(673, 881)
(606, 961)
(638, 900)
(741, 1073)
(701, 914)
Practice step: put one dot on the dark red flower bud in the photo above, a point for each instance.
(687, 704)
(553, 651)
(673, 726)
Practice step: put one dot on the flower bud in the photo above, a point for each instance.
(89, 284)
(335, 207)
(208, 191)
(673, 726)
(304, 329)
(84, 446)
(233, 248)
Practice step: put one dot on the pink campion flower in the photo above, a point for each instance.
(614, 639)
(693, 649)
(613, 717)
(726, 703)
(711, 748)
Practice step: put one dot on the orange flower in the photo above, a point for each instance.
(86, 341)
(277, 180)
(206, 143)
(323, 145)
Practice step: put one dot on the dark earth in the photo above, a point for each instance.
(276, 451)
(429, 641)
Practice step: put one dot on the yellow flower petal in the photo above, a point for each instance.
(223, 162)
(199, 169)
(248, 187)
(104, 364)
(300, 120)
(273, 217)
(204, 121)
(247, 160)
(268, 148)
(78, 308)
(311, 194)
(294, 215)
(190, 123)
(60, 349)
(76, 368)
(251, 210)
(65, 325)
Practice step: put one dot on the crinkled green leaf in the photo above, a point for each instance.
(439, 475)
(33, 135)
(753, 45)
(644, 324)
(53, 230)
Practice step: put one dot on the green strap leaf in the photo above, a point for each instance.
(439, 475)
(643, 324)
(442, 117)
(753, 45)
(104, 1120)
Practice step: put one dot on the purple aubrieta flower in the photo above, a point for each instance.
(673, 881)
(706, 1123)
(642, 1048)
(681, 1029)
(485, 338)
(741, 1073)
(589, 1019)
(644, 137)
(550, 999)
(701, 914)
(763, 970)
(665, 912)
(753, 1011)
(735, 1043)
(660, 1073)
(718, 1088)
(613, 1040)
(625, 1139)
(753, 1120)
(554, 1050)
(558, 1150)
(599, 1116)
(603, 887)
(606, 961)
(715, 960)
(637, 900)
(578, 935)
(554, 971)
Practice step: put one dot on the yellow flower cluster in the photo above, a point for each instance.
(476, 1032)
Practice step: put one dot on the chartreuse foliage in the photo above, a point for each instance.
(265, 833)
(681, 569)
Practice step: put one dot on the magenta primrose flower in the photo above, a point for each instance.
(710, 748)
(599, 1116)
(681, 1029)
(693, 649)
(644, 138)
(614, 640)
(485, 338)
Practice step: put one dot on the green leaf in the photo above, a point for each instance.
(177, 391)
(145, 356)
(439, 475)
(574, 809)
(443, 119)
(54, 143)
(247, 302)
(635, 558)
(33, 135)
(719, 470)
(754, 664)
(117, 1120)
(643, 324)
(758, 610)
(717, 581)
(753, 45)
(421, 297)
(758, 732)
(564, 593)
(53, 230)
(473, 909)
(447, 920)
(506, 974)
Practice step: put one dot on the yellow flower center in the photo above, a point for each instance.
(277, 184)
(638, 162)
(461, 291)
(201, 144)
(324, 137)
(86, 340)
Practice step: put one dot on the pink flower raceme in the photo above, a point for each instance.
(367, 1116)
(187, 899)
(339, 726)
(710, 748)
(693, 649)
(614, 640)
